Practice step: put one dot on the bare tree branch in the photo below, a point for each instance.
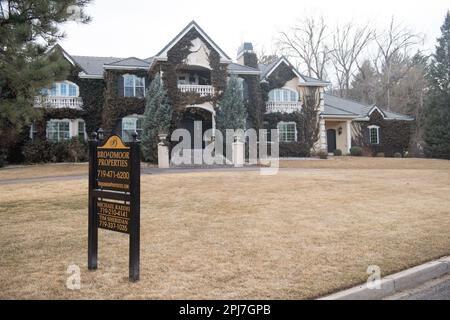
(306, 43)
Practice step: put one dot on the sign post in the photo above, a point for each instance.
(114, 195)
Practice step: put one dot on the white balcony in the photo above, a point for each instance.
(58, 102)
(283, 107)
(201, 90)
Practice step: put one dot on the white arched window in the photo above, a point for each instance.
(283, 95)
(62, 89)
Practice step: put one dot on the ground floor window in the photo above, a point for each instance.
(374, 135)
(58, 130)
(131, 125)
(287, 131)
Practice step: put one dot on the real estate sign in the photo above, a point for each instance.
(114, 195)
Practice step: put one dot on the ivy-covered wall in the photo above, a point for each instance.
(91, 91)
(394, 135)
(176, 61)
(254, 101)
(116, 106)
(306, 120)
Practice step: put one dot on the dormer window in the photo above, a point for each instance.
(283, 95)
(134, 86)
(62, 89)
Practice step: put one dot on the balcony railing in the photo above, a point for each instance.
(58, 102)
(201, 90)
(283, 107)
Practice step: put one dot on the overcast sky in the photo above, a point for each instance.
(123, 28)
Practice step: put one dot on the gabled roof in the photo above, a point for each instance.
(340, 107)
(192, 25)
(266, 71)
(131, 63)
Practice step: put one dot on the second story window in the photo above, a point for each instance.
(133, 86)
(283, 95)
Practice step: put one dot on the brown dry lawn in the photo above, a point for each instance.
(232, 235)
(47, 170)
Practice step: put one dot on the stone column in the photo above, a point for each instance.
(238, 154)
(163, 153)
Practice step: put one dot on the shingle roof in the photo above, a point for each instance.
(337, 106)
(236, 68)
(130, 62)
(93, 65)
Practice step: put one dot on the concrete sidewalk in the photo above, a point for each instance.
(437, 289)
(399, 282)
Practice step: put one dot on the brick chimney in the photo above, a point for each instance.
(244, 50)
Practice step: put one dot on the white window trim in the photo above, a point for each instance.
(370, 134)
(132, 116)
(297, 96)
(59, 121)
(134, 84)
(289, 122)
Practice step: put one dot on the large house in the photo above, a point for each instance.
(110, 93)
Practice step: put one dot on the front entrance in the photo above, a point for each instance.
(190, 119)
(331, 140)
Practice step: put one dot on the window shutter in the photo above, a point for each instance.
(120, 86)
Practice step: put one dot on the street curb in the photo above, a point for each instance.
(397, 282)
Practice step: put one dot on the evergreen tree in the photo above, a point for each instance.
(232, 113)
(437, 113)
(157, 119)
(28, 29)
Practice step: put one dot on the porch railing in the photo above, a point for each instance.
(284, 107)
(201, 90)
(58, 102)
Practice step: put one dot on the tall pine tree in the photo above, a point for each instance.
(28, 29)
(232, 113)
(437, 113)
(157, 119)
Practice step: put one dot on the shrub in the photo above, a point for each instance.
(2, 158)
(59, 151)
(337, 152)
(37, 151)
(294, 150)
(77, 150)
(380, 155)
(356, 151)
(397, 155)
(322, 154)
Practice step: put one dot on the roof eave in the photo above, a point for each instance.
(109, 67)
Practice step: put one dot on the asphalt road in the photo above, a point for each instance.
(438, 289)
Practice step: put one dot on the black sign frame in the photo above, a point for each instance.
(130, 197)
